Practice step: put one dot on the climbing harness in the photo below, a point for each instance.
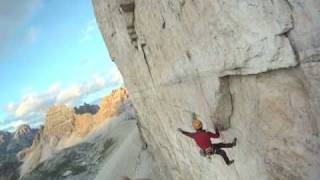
(208, 153)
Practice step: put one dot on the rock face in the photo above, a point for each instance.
(22, 131)
(252, 66)
(59, 121)
(110, 105)
(64, 128)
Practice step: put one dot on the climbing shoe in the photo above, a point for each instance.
(230, 162)
(234, 142)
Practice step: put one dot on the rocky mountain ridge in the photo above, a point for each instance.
(64, 128)
(108, 151)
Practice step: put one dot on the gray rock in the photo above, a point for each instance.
(67, 173)
(251, 65)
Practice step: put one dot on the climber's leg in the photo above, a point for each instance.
(226, 145)
(224, 156)
(223, 145)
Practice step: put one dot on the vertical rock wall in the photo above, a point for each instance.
(59, 121)
(252, 64)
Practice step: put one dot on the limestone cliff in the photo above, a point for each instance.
(251, 65)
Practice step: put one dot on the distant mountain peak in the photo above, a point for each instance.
(22, 130)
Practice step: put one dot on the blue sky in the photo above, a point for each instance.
(51, 52)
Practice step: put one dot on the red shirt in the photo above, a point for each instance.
(202, 138)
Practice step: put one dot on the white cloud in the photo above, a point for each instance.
(11, 122)
(116, 77)
(17, 123)
(29, 103)
(10, 107)
(98, 82)
(37, 102)
(9, 126)
(70, 95)
(74, 94)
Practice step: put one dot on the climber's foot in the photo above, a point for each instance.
(230, 162)
(234, 142)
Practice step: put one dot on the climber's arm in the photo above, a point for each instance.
(216, 134)
(217, 126)
(189, 134)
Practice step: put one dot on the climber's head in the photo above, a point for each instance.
(197, 124)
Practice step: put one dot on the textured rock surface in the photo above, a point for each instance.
(24, 130)
(59, 121)
(109, 106)
(254, 65)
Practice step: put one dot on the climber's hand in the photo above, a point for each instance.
(179, 129)
(217, 126)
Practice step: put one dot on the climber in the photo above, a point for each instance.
(202, 138)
